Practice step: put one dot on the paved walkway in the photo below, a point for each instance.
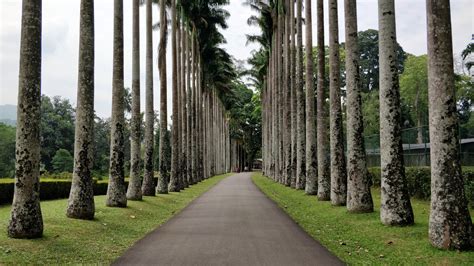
(231, 224)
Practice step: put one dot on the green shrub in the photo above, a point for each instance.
(419, 181)
(51, 188)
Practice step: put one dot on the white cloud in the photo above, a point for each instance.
(61, 34)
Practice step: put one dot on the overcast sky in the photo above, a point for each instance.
(61, 40)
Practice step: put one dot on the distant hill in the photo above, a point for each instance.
(8, 114)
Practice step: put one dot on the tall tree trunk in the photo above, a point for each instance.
(148, 185)
(324, 176)
(26, 220)
(116, 191)
(294, 101)
(338, 161)
(184, 123)
(134, 191)
(311, 149)
(189, 110)
(162, 187)
(81, 197)
(300, 97)
(450, 224)
(359, 198)
(179, 104)
(286, 98)
(395, 208)
(174, 178)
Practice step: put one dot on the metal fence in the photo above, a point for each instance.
(416, 148)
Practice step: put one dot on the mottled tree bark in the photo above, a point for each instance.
(116, 191)
(311, 149)
(395, 207)
(134, 191)
(183, 107)
(162, 186)
(324, 176)
(359, 198)
(338, 160)
(294, 101)
(287, 99)
(450, 225)
(174, 178)
(300, 95)
(81, 197)
(148, 186)
(189, 110)
(26, 220)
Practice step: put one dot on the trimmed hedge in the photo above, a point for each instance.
(52, 189)
(419, 181)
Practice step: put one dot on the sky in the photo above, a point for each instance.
(60, 42)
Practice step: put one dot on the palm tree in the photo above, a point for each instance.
(116, 194)
(300, 95)
(324, 176)
(359, 198)
(81, 197)
(148, 186)
(311, 149)
(450, 225)
(174, 178)
(395, 208)
(184, 124)
(287, 98)
(26, 220)
(338, 161)
(162, 186)
(294, 101)
(134, 191)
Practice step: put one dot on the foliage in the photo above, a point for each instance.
(244, 111)
(69, 241)
(361, 239)
(57, 128)
(62, 161)
(419, 181)
(7, 150)
(368, 42)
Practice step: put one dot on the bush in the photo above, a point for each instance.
(51, 189)
(419, 181)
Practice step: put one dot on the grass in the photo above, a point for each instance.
(361, 238)
(99, 241)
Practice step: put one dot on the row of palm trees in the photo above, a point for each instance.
(200, 142)
(307, 152)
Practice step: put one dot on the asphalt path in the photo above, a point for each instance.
(233, 223)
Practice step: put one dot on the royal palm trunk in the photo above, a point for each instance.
(338, 161)
(450, 225)
(311, 149)
(134, 191)
(324, 176)
(116, 191)
(148, 185)
(395, 207)
(162, 186)
(359, 198)
(81, 197)
(26, 220)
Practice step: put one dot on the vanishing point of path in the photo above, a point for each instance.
(233, 223)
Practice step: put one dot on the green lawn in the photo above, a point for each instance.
(99, 241)
(361, 238)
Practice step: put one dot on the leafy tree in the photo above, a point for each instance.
(414, 91)
(57, 128)
(7, 150)
(62, 161)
